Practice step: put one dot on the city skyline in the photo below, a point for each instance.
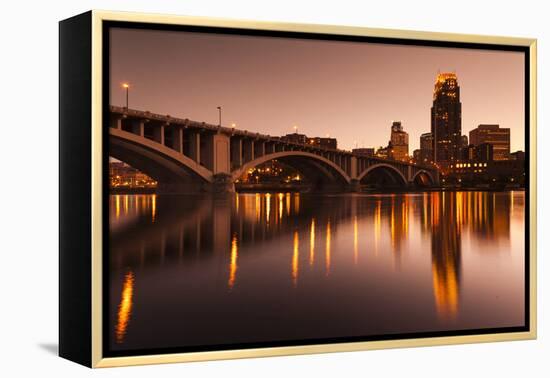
(344, 89)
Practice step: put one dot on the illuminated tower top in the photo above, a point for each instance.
(446, 85)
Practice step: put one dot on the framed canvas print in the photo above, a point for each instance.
(235, 189)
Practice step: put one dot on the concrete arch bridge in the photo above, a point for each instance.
(187, 156)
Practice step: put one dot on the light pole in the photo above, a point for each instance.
(220, 114)
(126, 86)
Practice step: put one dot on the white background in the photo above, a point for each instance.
(29, 189)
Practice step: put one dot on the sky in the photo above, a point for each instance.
(349, 90)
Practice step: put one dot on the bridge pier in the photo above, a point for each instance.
(354, 186)
(220, 154)
(223, 183)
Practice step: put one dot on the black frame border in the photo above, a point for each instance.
(105, 85)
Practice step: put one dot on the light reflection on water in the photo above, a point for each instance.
(191, 270)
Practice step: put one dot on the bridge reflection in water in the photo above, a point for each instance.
(195, 270)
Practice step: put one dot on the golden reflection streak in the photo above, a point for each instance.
(281, 198)
(295, 256)
(355, 244)
(153, 208)
(237, 202)
(445, 284)
(233, 262)
(312, 242)
(511, 204)
(267, 207)
(425, 209)
(258, 205)
(287, 200)
(405, 208)
(377, 225)
(117, 206)
(327, 250)
(392, 223)
(126, 205)
(124, 308)
(296, 203)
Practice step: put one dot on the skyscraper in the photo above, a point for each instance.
(494, 135)
(426, 147)
(399, 142)
(446, 120)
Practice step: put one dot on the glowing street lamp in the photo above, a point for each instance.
(127, 87)
(295, 129)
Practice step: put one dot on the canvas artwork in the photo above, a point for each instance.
(277, 191)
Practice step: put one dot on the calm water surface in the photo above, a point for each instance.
(187, 271)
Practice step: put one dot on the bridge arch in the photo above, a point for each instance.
(390, 171)
(423, 178)
(317, 168)
(168, 167)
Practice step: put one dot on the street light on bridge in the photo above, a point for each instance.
(220, 115)
(127, 87)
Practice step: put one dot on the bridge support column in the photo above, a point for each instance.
(158, 134)
(259, 149)
(354, 169)
(221, 154)
(178, 139)
(116, 123)
(223, 183)
(269, 148)
(207, 151)
(248, 150)
(236, 152)
(195, 146)
(354, 185)
(138, 128)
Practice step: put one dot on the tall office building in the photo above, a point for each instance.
(446, 120)
(426, 147)
(498, 137)
(399, 142)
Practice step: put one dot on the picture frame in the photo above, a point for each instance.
(85, 114)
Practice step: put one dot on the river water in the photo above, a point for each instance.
(196, 271)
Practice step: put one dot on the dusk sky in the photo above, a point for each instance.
(349, 90)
